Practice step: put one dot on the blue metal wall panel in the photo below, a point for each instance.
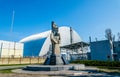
(100, 50)
(32, 48)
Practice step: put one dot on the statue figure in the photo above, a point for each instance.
(55, 39)
(55, 57)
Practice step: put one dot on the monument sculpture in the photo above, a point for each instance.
(55, 58)
(54, 62)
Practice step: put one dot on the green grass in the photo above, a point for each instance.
(109, 70)
(110, 67)
(97, 63)
(16, 64)
(20, 64)
(10, 70)
(6, 71)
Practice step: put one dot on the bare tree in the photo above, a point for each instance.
(113, 37)
(108, 34)
(118, 34)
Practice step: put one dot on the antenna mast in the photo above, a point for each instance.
(12, 22)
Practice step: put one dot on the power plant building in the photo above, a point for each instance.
(101, 50)
(40, 44)
(105, 50)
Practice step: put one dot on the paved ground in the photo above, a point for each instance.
(37, 75)
(21, 75)
(87, 72)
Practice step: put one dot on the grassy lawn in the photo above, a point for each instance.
(110, 67)
(109, 70)
(19, 64)
(9, 70)
(14, 65)
(6, 71)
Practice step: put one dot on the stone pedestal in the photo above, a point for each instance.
(54, 67)
(55, 60)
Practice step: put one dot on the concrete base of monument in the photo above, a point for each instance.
(54, 67)
(88, 71)
(54, 59)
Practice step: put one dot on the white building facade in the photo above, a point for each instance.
(11, 49)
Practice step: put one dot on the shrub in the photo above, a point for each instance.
(97, 63)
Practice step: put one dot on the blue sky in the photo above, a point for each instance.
(87, 17)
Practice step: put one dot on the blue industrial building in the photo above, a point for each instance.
(105, 50)
(101, 50)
